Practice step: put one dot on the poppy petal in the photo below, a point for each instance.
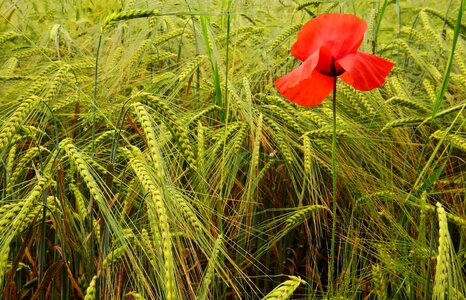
(319, 60)
(343, 33)
(364, 71)
(310, 91)
(305, 85)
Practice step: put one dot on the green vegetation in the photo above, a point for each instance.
(145, 154)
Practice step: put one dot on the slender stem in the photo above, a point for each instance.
(94, 110)
(94, 98)
(42, 245)
(334, 190)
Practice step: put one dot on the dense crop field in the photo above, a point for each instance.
(146, 154)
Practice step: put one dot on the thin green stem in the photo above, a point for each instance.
(94, 98)
(334, 190)
(380, 15)
(94, 111)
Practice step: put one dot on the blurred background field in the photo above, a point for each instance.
(145, 154)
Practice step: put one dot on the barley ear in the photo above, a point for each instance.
(210, 269)
(442, 271)
(299, 216)
(91, 289)
(378, 282)
(136, 296)
(4, 253)
(115, 17)
(284, 36)
(285, 290)
(160, 224)
(19, 116)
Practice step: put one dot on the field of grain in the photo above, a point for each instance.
(146, 154)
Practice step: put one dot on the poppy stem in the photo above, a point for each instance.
(334, 190)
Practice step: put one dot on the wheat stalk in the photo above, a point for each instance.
(324, 133)
(443, 257)
(456, 140)
(81, 164)
(156, 204)
(430, 32)
(277, 132)
(167, 36)
(284, 36)
(151, 139)
(410, 121)
(55, 84)
(18, 216)
(114, 256)
(378, 282)
(91, 289)
(287, 118)
(115, 17)
(307, 154)
(5, 37)
(303, 213)
(210, 269)
(19, 117)
(414, 33)
(406, 102)
(191, 67)
(4, 254)
(285, 290)
(178, 131)
(27, 157)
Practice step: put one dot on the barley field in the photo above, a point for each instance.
(146, 154)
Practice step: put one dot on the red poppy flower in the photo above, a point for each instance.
(328, 47)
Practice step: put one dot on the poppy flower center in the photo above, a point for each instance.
(331, 70)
